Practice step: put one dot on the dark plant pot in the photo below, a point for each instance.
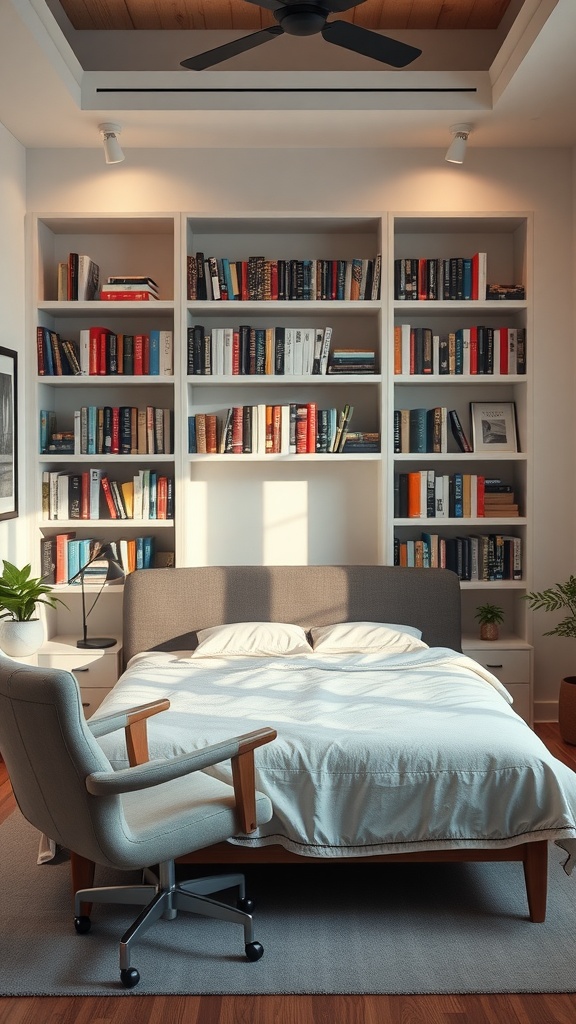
(567, 709)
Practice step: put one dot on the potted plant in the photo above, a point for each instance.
(21, 631)
(490, 616)
(561, 597)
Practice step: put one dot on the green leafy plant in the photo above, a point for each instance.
(20, 593)
(561, 595)
(489, 614)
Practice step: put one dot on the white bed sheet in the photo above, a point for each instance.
(376, 753)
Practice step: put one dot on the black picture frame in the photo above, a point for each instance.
(8, 434)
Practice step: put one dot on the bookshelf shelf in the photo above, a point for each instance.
(463, 522)
(333, 457)
(265, 380)
(107, 380)
(141, 525)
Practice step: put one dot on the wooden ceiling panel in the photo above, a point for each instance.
(199, 15)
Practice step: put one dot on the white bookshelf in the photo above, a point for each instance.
(270, 509)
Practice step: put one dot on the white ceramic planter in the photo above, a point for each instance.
(19, 639)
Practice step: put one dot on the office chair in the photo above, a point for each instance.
(147, 814)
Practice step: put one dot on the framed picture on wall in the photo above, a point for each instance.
(8, 434)
(494, 427)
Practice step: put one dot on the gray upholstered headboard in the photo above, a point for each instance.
(163, 608)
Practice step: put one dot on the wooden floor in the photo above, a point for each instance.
(447, 1009)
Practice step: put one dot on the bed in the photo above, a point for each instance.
(392, 744)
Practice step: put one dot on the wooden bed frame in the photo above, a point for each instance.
(163, 609)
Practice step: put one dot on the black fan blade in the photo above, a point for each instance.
(232, 49)
(370, 44)
(339, 6)
(273, 5)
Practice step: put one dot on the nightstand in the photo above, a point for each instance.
(510, 660)
(96, 670)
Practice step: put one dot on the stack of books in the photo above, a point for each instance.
(361, 441)
(499, 500)
(130, 288)
(352, 360)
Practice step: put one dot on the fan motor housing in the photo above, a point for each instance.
(302, 19)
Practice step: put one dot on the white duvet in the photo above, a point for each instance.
(376, 753)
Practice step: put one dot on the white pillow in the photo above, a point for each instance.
(365, 637)
(252, 639)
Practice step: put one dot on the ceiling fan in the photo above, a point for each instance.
(307, 19)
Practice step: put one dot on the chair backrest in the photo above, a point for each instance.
(49, 751)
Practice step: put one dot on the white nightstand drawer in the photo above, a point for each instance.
(100, 673)
(96, 670)
(92, 698)
(508, 666)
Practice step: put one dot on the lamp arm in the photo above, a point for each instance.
(85, 613)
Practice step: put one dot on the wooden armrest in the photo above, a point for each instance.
(136, 731)
(243, 776)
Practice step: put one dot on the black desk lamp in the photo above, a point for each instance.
(105, 553)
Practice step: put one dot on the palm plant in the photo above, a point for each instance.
(20, 593)
(560, 596)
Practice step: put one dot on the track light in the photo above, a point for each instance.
(457, 148)
(112, 148)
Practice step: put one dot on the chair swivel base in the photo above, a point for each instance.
(164, 898)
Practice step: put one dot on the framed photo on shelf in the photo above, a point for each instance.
(8, 434)
(494, 427)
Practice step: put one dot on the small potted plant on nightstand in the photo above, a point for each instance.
(562, 596)
(21, 631)
(490, 616)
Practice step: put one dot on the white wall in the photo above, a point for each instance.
(374, 180)
(13, 535)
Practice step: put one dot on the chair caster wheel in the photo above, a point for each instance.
(245, 904)
(254, 951)
(82, 924)
(129, 977)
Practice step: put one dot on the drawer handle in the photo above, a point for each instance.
(81, 669)
(493, 666)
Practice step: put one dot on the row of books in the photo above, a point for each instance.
(457, 277)
(487, 557)
(294, 429)
(260, 279)
(466, 351)
(109, 430)
(78, 278)
(91, 494)
(103, 352)
(258, 350)
(426, 430)
(63, 556)
(425, 494)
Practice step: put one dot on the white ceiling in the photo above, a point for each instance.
(524, 87)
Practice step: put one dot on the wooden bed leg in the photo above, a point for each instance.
(536, 878)
(82, 877)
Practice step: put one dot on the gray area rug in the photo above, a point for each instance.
(395, 929)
